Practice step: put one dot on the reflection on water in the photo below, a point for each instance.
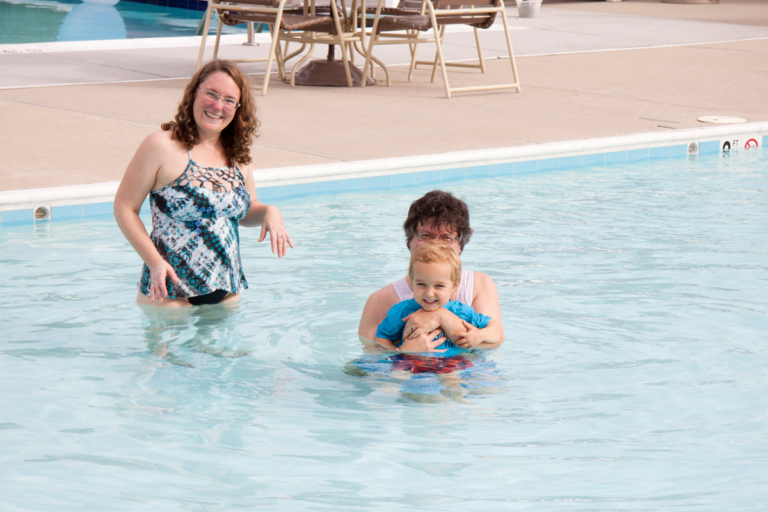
(47, 21)
(93, 20)
(455, 375)
(173, 333)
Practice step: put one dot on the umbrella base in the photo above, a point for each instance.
(329, 73)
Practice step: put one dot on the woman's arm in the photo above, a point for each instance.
(139, 179)
(374, 312)
(485, 301)
(268, 217)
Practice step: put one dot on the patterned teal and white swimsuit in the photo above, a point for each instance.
(195, 229)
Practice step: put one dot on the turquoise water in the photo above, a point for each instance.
(47, 21)
(633, 378)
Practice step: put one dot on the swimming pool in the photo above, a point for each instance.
(634, 375)
(47, 21)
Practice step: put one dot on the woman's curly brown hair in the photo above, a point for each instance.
(439, 209)
(238, 136)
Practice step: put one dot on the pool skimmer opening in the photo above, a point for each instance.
(42, 213)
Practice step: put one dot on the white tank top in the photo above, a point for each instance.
(464, 294)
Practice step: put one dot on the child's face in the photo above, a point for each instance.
(432, 285)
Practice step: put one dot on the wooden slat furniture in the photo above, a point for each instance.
(406, 23)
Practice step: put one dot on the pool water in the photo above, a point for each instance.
(46, 21)
(633, 378)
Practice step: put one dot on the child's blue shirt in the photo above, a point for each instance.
(391, 328)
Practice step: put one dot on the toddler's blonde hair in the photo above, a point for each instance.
(437, 251)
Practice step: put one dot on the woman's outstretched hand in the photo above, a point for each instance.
(158, 273)
(278, 236)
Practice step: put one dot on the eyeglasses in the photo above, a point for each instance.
(227, 102)
(450, 240)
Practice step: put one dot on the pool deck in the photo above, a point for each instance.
(74, 114)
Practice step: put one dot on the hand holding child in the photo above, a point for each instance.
(470, 338)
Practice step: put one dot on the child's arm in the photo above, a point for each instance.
(473, 337)
(390, 333)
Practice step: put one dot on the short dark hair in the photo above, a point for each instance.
(438, 208)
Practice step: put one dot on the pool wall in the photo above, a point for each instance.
(33, 206)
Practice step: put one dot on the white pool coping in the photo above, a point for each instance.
(311, 174)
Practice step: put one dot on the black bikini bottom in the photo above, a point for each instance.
(208, 298)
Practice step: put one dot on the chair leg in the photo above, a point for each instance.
(345, 61)
(436, 31)
(341, 44)
(272, 48)
(280, 58)
(368, 64)
(511, 52)
(414, 48)
(434, 65)
(218, 38)
(480, 50)
(206, 27)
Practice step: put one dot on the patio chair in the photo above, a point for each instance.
(287, 22)
(404, 25)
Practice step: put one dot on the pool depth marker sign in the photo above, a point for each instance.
(746, 142)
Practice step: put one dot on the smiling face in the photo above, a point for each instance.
(432, 284)
(213, 115)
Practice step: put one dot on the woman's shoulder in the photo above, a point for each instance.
(380, 302)
(483, 282)
(166, 148)
(161, 141)
(386, 296)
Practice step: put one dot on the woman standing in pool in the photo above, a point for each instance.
(196, 171)
(437, 215)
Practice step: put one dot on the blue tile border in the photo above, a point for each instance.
(635, 156)
(428, 177)
(616, 157)
(710, 147)
(352, 185)
(70, 212)
(478, 171)
(97, 209)
(678, 151)
(548, 165)
(593, 160)
(299, 190)
(327, 187)
(662, 153)
(523, 168)
(505, 169)
(453, 175)
(404, 180)
(380, 183)
(16, 217)
(508, 162)
(571, 162)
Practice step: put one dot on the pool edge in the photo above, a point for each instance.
(275, 184)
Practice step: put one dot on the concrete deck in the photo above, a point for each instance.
(75, 115)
